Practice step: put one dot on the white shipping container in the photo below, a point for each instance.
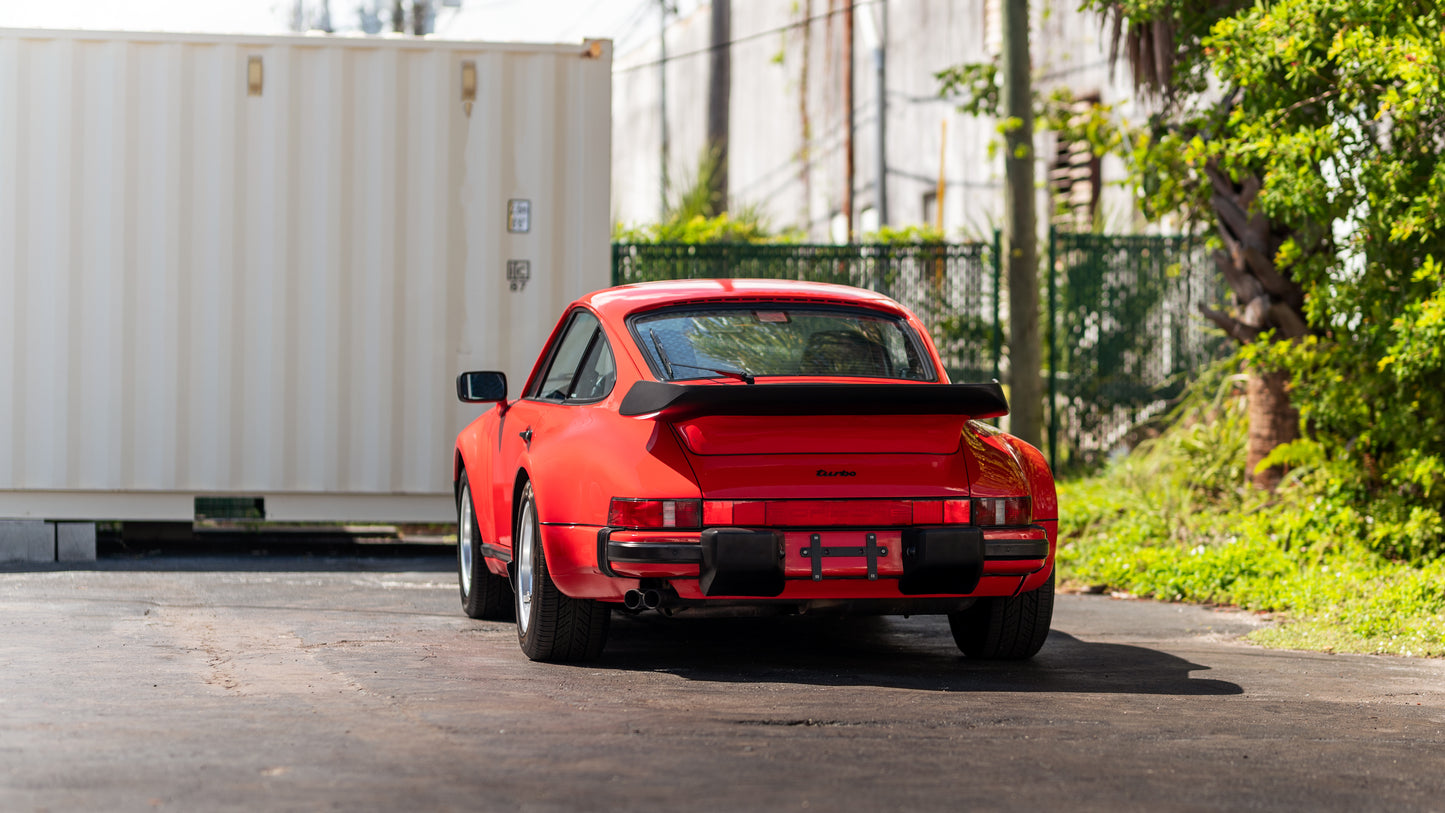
(253, 266)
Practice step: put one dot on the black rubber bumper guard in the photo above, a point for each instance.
(747, 562)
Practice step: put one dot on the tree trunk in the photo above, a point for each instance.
(1265, 300)
(1273, 420)
(1026, 415)
(719, 99)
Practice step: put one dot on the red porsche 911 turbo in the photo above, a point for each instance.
(748, 446)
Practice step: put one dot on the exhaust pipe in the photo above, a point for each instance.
(649, 598)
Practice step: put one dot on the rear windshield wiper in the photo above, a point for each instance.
(737, 375)
(668, 365)
(661, 354)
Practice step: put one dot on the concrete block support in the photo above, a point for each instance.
(26, 540)
(75, 541)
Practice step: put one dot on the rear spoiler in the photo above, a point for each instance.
(676, 402)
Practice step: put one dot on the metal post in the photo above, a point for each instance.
(848, 116)
(1051, 334)
(942, 187)
(880, 68)
(997, 303)
(662, 104)
(719, 95)
(1020, 229)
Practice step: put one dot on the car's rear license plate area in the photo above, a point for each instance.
(846, 554)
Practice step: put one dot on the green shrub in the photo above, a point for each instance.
(1175, 520)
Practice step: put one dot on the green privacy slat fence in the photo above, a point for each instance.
(1127, 334)
(953, 287)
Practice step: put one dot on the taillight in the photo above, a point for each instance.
(839, 513)
(990, 511)
(629, 513)
(940, 512)
(956, 512)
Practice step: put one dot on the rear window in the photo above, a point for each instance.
(779, 340)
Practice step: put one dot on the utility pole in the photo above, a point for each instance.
(875, 34)
(662, 105)
(941, 187)
(880, 65)
(805, 152)
(420, 17)
(848, 115)
(719, 96)
(1020, 237)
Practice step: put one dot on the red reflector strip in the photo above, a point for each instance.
(839, 513)
(845, 513)
(956, 512)
(751, 513)
(717, 512)
(927, 512)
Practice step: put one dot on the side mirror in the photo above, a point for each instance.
(481, 387)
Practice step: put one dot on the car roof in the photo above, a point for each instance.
(625, 299)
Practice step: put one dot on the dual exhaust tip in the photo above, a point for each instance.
(649, 599)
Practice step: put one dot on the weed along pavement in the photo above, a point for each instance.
(182, 682)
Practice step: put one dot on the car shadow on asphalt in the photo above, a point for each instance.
(916, 653)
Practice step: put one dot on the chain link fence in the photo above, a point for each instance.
(1127, 334)
(1122, 332)
(952, 287)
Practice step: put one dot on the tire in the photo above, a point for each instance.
(551, 626)
(485, 595)
(1009, 628)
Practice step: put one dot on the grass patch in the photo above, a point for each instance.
(1176, 521)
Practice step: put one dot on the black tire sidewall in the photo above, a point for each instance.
(559, 628)
(540, 580)
(1005, 628)
(466, 513)
(489, 597)
(464, 516)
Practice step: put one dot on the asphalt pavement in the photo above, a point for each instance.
(353, 682)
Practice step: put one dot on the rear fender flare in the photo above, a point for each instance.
(1045, 501)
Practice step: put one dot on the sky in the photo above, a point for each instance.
(624, 21)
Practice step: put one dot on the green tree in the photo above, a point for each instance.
(1166, 45)
(1344, 120)
(1162, 40)
(697, 213)
(1320, 157)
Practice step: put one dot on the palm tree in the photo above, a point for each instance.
(1163, 48)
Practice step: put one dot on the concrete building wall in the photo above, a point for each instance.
(787, 156)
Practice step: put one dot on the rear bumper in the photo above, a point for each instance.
(773, 563)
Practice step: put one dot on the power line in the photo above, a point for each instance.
(1059, 73)
(631, 26)
(578, 19)
(749, 38)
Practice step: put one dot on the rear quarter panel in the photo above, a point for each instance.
(583, 456)
(1001, 465)
(1046, 505)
